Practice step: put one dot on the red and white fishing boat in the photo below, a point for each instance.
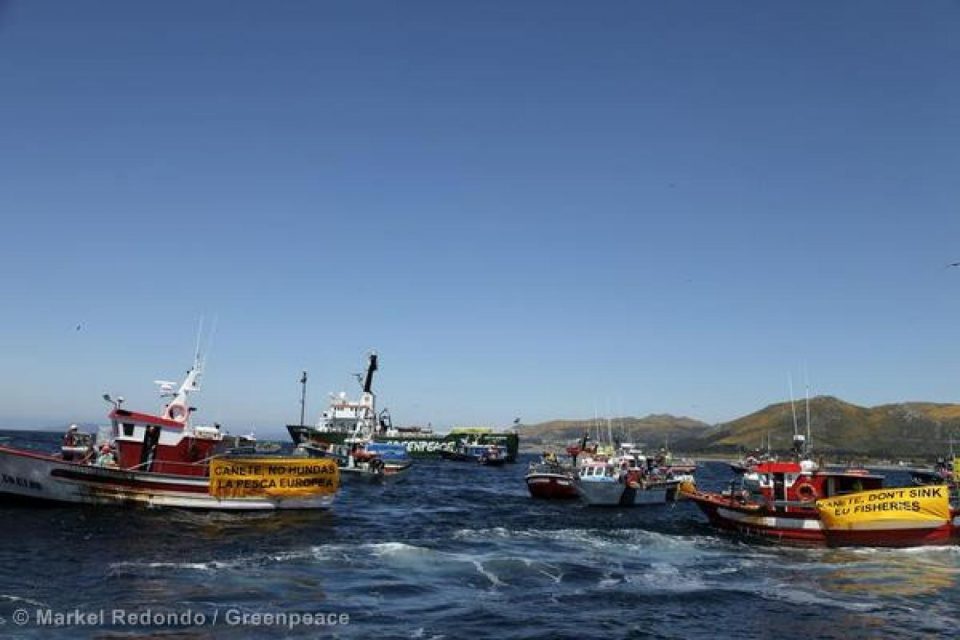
(551, 480)
(790, 501)
(165, 461)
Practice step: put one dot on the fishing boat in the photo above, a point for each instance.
(625, 479)
(750, 461)
(797, 501)
(668, 465)
(487, 454)
(941, 473)
(758, 455)
(944, 471)
(550, 479)
(360, 460)
(164, 461)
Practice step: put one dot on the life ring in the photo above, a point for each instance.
(806, 492)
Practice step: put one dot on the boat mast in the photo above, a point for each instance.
(609, 424)
(807, 385)
(303, 396)
(178, 409)
(793, 406)
(596, 420)
(799, 442)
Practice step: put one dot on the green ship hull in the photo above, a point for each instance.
(418, 445)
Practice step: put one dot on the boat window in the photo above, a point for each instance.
(128, 429)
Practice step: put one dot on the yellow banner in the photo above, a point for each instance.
(272, 477)
(887, 508)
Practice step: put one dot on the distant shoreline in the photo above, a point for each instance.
(864, 461)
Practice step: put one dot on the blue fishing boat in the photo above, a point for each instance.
(488, 454)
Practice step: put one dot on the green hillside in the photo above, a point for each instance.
(651, 430)
(839, 429)
(894, 431)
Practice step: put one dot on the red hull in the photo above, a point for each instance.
(803, 526)
(551, 486)
(896, 538)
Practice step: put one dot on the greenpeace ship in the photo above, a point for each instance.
(346, 419)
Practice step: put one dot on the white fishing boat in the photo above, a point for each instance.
(624, 479)
(164, 461)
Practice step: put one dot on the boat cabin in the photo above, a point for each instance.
(597, 471)
(791, 485)
(146, 442)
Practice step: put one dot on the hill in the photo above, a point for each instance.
(838, 428)
(651, 430)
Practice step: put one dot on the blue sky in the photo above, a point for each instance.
(536, 209)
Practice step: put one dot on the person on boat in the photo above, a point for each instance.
(583, 446)
(71, 437)
(106, 459)
(661, 459)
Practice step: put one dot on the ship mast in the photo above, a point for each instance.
(303, 396)
(367, 398)
(806, 380)
(371, 367)
(799, 442)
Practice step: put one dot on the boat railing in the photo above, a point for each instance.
(804, 504)
(203, 462)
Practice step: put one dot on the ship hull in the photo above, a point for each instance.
(617, 494)
(421, 446)
(551, 486)
(33, 478)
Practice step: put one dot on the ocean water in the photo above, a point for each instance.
(455, 550)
